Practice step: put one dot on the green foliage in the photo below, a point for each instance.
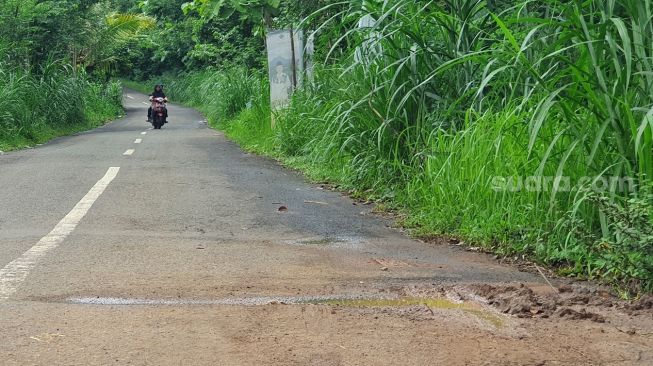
(627, 255)
(443, 98)
(192, 36)
(86, 32)
(166, 10)
(185, 41)
(33, 109)
(438, 101)
(462, 113)
(254, 11)
(38, 30)
(100, 54)
(56, 57)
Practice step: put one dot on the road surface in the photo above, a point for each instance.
(130, 246)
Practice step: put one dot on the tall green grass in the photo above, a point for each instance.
(443, 108)
(37, 106)
(454, 95)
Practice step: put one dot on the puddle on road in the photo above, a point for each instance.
(348, 301)
(351, 242)
(432, 303)
(401, 302)
(323, 241)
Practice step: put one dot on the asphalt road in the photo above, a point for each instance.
(125, 245)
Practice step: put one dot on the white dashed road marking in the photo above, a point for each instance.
(15, 273)
(130, 97)
(129, 152)
(143, 133)
(138, 141)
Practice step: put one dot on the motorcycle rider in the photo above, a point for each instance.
(157, 93)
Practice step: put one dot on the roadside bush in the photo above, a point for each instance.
(35, 107)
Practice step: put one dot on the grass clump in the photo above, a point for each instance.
(36, 106)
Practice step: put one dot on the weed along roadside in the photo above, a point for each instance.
(39, 108)
(477, 127)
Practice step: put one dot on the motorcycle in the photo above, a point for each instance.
(158, 113)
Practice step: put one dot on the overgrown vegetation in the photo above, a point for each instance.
(56, 58)
(464, 112)
(34, 109)
(525, 127)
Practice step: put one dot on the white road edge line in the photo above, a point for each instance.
(138, 141)
(15, 273)
(129, 152)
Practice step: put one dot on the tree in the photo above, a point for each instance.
(105, 36)
(253, 11)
